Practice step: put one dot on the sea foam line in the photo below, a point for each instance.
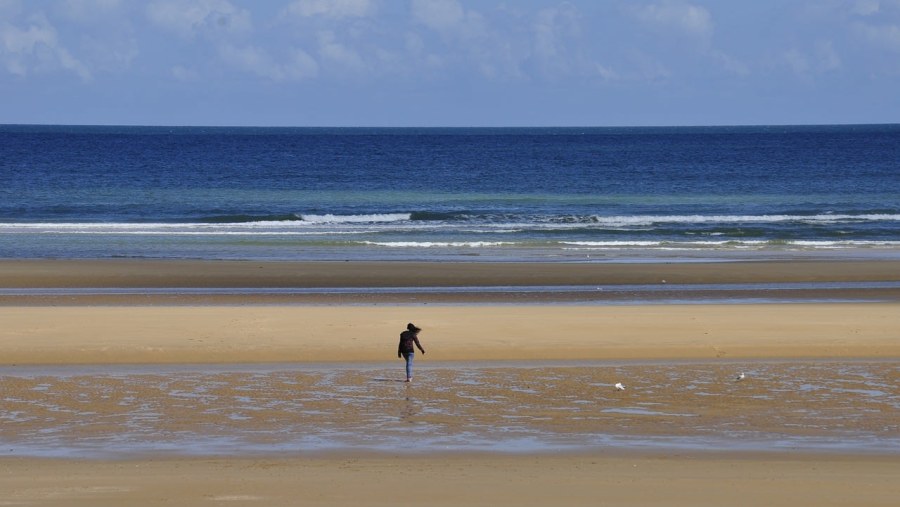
(337, 219)
(824, 244)
(627, 288)
(647, 220)
(537, 221)
(437, 244)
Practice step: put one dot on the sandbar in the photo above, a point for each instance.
(206, 273)
(222, 334)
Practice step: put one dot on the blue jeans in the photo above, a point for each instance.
(409, 356)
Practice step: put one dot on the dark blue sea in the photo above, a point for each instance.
(491, 194)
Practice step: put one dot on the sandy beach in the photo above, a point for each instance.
(262, 327)
(215, 334)
(42, 333)
(476, 480)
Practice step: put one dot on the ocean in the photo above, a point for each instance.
(479, 194)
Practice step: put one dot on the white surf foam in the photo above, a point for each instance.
(336, 219)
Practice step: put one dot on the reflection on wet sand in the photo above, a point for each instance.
(245, 409)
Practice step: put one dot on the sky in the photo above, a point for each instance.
(451, 63)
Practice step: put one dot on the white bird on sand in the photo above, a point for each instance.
(740, 376)
(619, 386)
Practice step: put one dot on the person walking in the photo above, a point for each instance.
(408, 340)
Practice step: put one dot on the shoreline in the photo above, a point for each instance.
(227, 283)
(133, 273)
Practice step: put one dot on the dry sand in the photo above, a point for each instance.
(479, 480)
(202, 334)
(150, 331)
(142, 328)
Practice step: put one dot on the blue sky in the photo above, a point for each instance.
(449, 62)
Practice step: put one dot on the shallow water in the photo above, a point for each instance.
(609, 294)
(845, 406)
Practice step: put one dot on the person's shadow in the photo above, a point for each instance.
(388, 380)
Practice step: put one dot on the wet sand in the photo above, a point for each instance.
(535, 407)
(794, 352)
(142, 282)
(188, 273)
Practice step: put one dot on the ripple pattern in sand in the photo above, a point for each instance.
(236, 410)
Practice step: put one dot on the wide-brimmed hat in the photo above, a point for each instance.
(412, 327)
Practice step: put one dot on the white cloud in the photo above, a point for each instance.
(557, 58)
(103, 31)
(331, 8)
(823, 58)
(344, 35)
(24, 40)
(729, 63)
(884, 36)
(694, 23)
(227, 28)
(414, 43)
(182, 73)
(827, 58)
(250, 59)
(687, 18)
(71, 63)
(88, 10)
(546, 40)
(440, 15)
(866, 7)
(110, 53)
(796, 61)
(648, 68)
(257, 61)
(188, 18)
(345, 57)
(36, 48)
(301, 65)
(469, 41)
(9, 8)
(415, 46)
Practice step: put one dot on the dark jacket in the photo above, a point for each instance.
(408, 339)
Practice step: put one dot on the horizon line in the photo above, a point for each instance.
(399, 127)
